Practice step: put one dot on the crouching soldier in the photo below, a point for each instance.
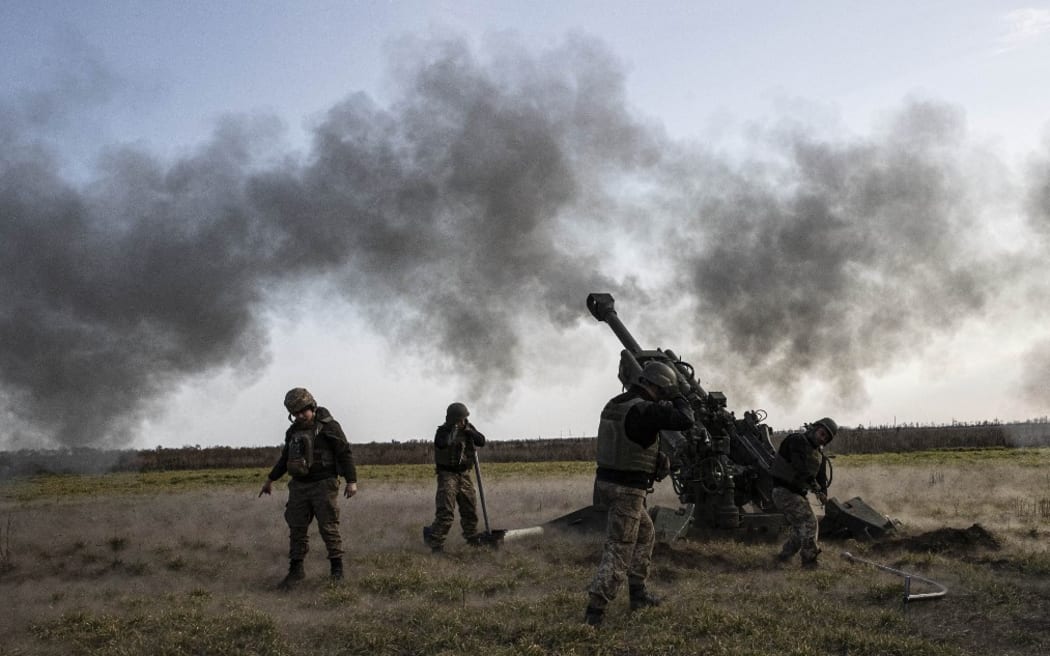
(316, 452)
(800, 467)
(454, 445)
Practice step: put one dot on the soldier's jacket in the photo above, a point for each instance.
(799, 464)
(454, 447)
(332, 455)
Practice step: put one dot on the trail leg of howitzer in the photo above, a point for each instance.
(940, 591)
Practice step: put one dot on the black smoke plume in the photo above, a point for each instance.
(442, 215)
(834, 258)
(471, 211)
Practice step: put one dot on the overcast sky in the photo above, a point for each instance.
(828, 208)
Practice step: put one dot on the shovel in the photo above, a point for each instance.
(489, 537)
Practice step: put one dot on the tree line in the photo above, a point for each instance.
(900, 438)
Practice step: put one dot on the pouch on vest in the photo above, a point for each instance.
(301, 452)
(454, 454)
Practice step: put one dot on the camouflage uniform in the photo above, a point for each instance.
(316, 493)
(628, 459)
(798, 469)
(629, 539)
(799, 515)
(306, 500)
(453, 458)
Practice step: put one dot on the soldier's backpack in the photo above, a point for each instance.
(301, 450)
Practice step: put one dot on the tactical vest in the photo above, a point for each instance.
(615, 449)
(458, 454)
(309, 453)
(789, 473)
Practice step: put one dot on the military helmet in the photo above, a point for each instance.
(456, 411)
(829, 425)
(298, 398)
(660, 375)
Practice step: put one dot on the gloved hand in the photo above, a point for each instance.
(474, 434)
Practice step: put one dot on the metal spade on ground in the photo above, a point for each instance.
(490, 537)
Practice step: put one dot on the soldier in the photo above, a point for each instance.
(315, 453)
(629, 458)
(454, 444)
(800, 468)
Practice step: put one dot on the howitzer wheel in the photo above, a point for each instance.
(713, 475)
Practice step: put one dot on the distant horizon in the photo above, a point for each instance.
(278, 444)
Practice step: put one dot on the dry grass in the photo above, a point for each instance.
(193, 571)
(1004, 495)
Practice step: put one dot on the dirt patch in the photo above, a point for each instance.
(944, 540)
(691, 559)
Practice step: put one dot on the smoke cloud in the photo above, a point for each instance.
(442, 216)
(1038, 201)
(837, 258)
(1035, 376)
(471, 211)
(1035, 381)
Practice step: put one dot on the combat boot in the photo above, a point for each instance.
(809, 560)
(337, 569)
(594, 616)
(296, 573)
(642, 598)
(428, 539)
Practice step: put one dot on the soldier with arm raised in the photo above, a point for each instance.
(629, 458)
(454, 445)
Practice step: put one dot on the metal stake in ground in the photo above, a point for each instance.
(490, 537)
(940, 591)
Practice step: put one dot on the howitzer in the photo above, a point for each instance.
(719, 467)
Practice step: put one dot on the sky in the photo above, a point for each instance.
(828, 208)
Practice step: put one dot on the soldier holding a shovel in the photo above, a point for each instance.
(454, 455)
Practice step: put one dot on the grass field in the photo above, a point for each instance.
(187, 563)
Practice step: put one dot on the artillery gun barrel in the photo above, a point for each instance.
(602, 307)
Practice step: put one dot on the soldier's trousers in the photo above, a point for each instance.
(307, 500)
(799, 514)
(629, 539)
(454, 489)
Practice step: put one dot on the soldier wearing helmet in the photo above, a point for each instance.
(800, 467)
(316, 452)
(454, 445)
(629, 461)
